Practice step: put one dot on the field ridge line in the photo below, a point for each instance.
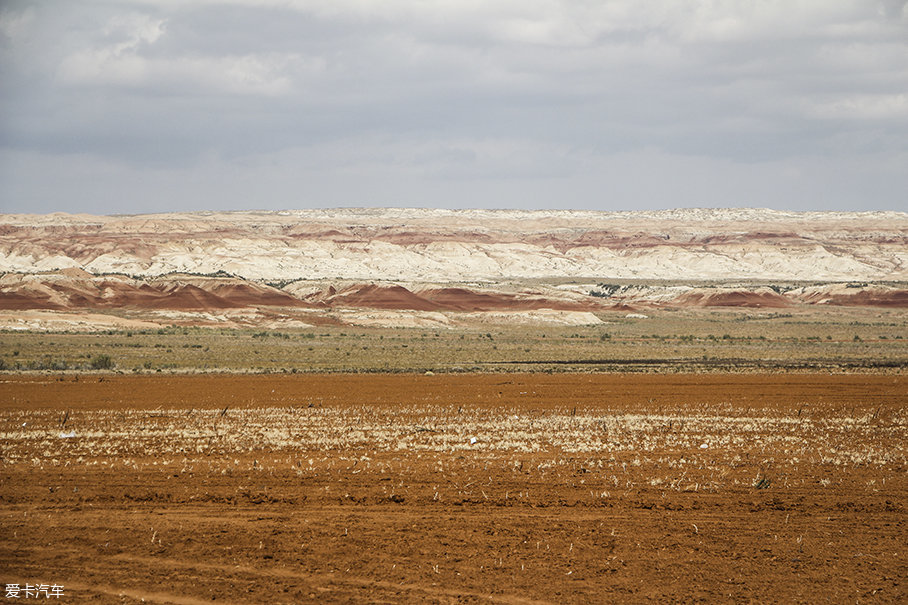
(331, 578)
(141, 595)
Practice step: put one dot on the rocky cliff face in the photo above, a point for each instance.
(455, 245)
(434, 267)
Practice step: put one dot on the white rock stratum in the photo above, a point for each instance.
(457, 245)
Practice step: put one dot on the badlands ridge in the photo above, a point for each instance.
(434, 267)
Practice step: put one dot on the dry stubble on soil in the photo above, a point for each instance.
(511, 488)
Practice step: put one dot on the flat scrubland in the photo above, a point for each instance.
(723, 455)
(504, 488)
(728, 340)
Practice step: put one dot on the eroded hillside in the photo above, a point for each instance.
(444, 266)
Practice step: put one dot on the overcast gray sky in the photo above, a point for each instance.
(125, 106)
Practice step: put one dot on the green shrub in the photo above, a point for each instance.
(101, 362)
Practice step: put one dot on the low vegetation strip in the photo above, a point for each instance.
(729, 364)
(847, 340)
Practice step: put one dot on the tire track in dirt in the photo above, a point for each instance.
(321, 582)
(358, 581)
(140, 595)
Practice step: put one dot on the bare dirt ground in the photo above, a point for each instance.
(503, 488)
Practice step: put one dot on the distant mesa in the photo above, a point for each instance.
(446, 247)
(451, 262)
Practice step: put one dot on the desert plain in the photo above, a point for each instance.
(707, 406)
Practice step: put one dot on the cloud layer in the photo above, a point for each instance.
(142, 106)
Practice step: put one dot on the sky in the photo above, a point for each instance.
(128, 106)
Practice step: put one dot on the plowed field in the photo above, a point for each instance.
(503, 488)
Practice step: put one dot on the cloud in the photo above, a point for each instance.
(125, 57)
(117, 59)
(465, 95)
(255, 74)
(888, 108)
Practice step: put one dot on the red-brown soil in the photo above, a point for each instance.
(381, 297)
(79, 290)
(734, 298)
(897, 299)
(76, 290)
(67, 290)
(462, 299)
(374, 296)
(369, 488)
(15, 301)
